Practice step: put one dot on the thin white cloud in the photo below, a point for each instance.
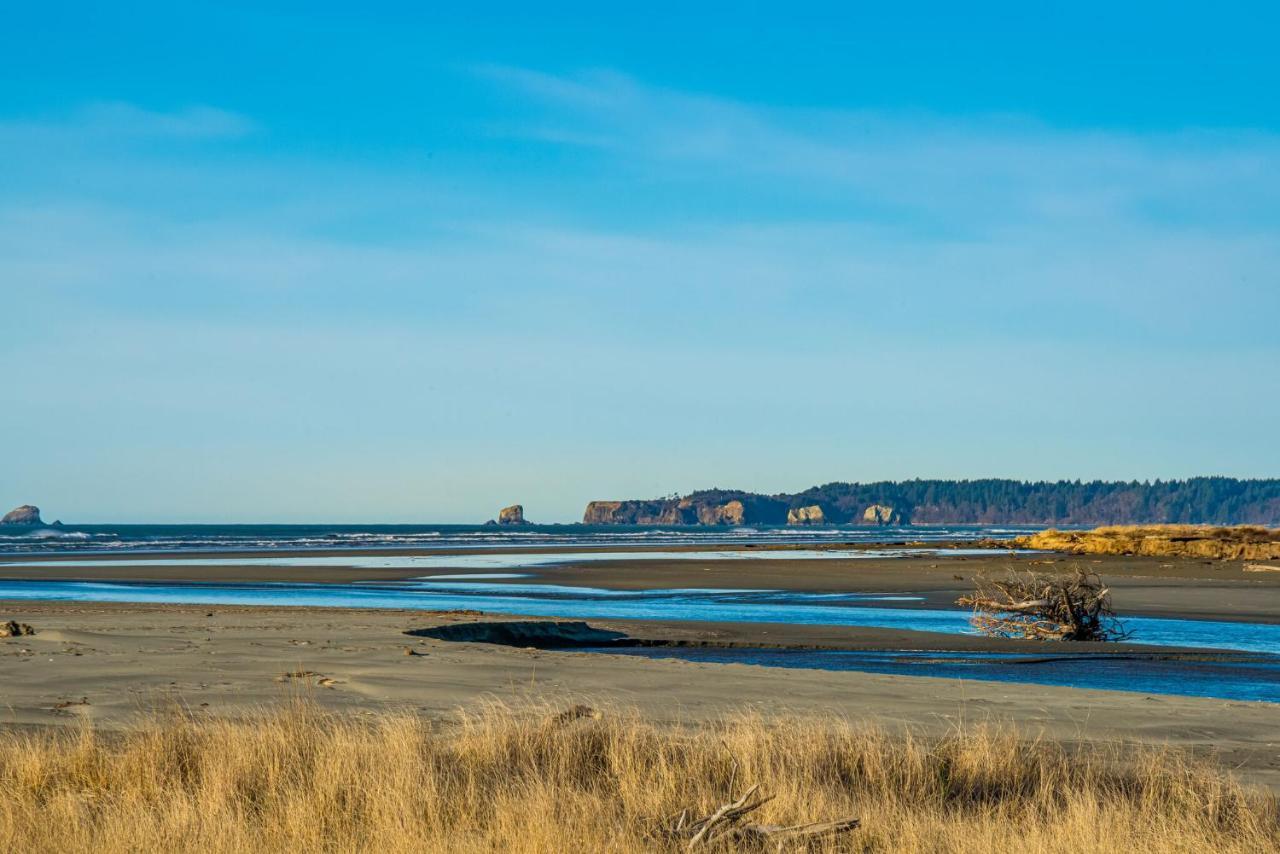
(973, 171)
(192, 122)
(119, 120)
(884, 227)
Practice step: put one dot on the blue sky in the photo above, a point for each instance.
(287, 262)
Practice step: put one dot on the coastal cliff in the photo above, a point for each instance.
(719, 507)
(1212, 500)
(693, 510)
(656, 512)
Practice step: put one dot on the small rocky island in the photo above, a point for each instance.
(809, 515)
(510, 516)
(27, 514)
(513, 515)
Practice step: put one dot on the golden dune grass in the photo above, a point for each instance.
(1239, 542)
(518, 781)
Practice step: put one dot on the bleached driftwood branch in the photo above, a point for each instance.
(726, 825)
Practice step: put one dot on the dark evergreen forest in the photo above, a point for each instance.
(1221, 500)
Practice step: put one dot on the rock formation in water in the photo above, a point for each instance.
(639, 513)
(603, 513)
(881, 514)
(809, 515)
(670, 511)
(24, 515)
(729, 513)
(513, 515)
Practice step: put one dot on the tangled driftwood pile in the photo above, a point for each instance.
(1045, 607)
(726, 826)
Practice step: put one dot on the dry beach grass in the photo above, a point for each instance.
(1238, 542)
(527, 780)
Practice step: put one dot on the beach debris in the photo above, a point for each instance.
(1260, 567)
(70, 707)
(66, 704)
(726, 825)
(14, 629)
(308, 675)
(297, 674)
(1073, 607)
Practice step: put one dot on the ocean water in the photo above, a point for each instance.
(1247, 678)
(510, 558)
(187, 538)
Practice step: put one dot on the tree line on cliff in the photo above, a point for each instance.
(1217, 500)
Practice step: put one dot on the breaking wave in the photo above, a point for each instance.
(266, 538)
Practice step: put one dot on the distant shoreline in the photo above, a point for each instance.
(987, 502)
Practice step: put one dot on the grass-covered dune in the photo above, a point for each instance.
(1241, 542)
(534, 781)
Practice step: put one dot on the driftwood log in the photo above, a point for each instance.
(727, 826)
(1045, 607)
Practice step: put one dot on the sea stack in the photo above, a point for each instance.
(513, 515)
(880, 514)
(811, 515)
(27, 514)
